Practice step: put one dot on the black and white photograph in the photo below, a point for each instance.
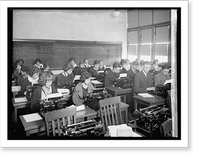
(81, 73)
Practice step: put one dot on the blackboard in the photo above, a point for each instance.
(57, 52)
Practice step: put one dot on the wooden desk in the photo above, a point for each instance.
(148, 101)
(39, 125)
(116, 91)
(19, 106)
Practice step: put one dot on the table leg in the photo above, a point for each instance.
(15, 114)
(27, 133)
(135, 124)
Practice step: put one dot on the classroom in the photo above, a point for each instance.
(99, 73)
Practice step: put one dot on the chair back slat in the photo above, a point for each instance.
(53, 127)
(110, 112)
(58, 118)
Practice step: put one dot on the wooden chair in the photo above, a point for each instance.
(57, 118)
(110, 111)
(166, 128)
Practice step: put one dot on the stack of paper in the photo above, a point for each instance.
(122, 131)
(32, 117)
(145, 95)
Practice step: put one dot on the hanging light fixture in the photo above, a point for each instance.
(116, 13)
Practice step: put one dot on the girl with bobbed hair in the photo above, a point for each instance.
(65, 78)
(82, 89)
(38, 64)
(94, 70)
(45, 87)
(30, 80)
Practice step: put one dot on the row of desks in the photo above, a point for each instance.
(39, 125)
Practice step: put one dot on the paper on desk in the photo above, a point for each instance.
(16, 88)
(169, 81)
(100, 72)
(20, 99)
(77, 77)
(32, 117)
(95, 82)
(54, 95)
(122, 131)
(122, 75)
(80, 107)
(56, 72)
(145, 95)
(63, 91)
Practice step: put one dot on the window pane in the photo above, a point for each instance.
(161, 58)
(133, 37)
(162, 34)
(146, 36)
(132, 18)
(132, 50)
(145, 58)
(161, 16)
(161, 50)
(132, 57)
(145, 17)
(145, 50)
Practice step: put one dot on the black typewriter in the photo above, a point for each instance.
(161, 90)
(149, 119)
(92, 100)
(48, 105)
(90, 128)
(123, 82)
(101, 77)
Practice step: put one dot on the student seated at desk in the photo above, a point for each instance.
(79, 69)
(144, 80)
(45, 87)
(82, 89)
(133, 70)
(30, 80)
(86, 63)
(125, 65)
(22, 76)
(94, 70)
(38, 64)
(112, 75)
(72, 62)
(45, 69)
(162, 76)
(17, 69)
(65, 78)
(101, 66)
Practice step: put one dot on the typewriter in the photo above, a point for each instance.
(90, 128)
(48, 105)
(100, 76)
(123, 82)
(92, 100)
(149, 119)
(161, 90)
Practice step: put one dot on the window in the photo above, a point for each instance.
(149, 34)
